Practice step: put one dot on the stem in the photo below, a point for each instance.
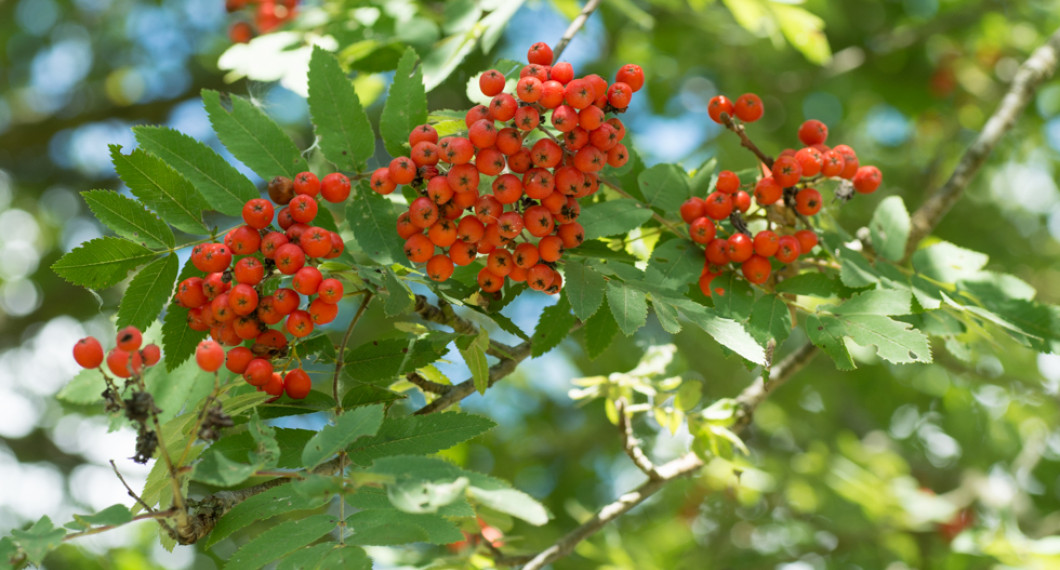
(573, 28)
(96, 530)
(340, 361)
(663, 221)
(202, 414)
(1031, 74)
(745, 141)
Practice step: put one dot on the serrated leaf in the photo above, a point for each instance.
(368, 394)
(665, 187)
(667, 315)
(279, 541)
(252, 137)
(84, 388)
(217, 469)
(399, 298)
(600, 330)
(804, 31)
(856, 271)
(129, 219)
(702, 181)
(473, 350)
(827, 334)
(584, 289)
(178, 339)
(1032, 324)
(729, 333)
(38, 540)
(445, 56)
(384, 360)
(406, 104)
(814, 285)
(353, 424)
(895, 341)
(148, 292)
(276, 501)
(674, 264)
(735, 298)
(890, 227)
(310, 557)
(373, 220)
(291, 442)
(628, 306)
(315, 401)
(161, 188)
(770, 319)
(417, 496)
(419, 435)
(346, 136)
(875, 302)
(117, 514)
(346, 557)
(101, 263)
(553, 326)
(612, 218)
(388, 527)
(512, 502)
(224, 187)
(948, 263)
(174, 389)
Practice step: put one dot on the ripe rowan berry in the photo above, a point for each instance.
(503, 107)
(807, 240)
(810, 160)
(631, 75)
(813, 132)
(381, 182)
(740, 248)
(440, 267)
(788, 249)
(748, 107)
(306, 183)
(475, 114)
(510, 224)
(808, 201)
(500, 262)
(237, 359)
(315, 242)
(335, 187)
(289, 258)
(463, 253)
(488, 281)
(297, 384)
(867, 179)
(299, 323)
(540, 277)
(526, 255)
(257, 213)
(539, 53)
(151, 354)
(717, 251)
(330, 290)
(619, 95)
(694, 207)
(463, 178)
(766, 243)
(833, 163)
(552, 94)
(718, 205)
(491, 82)
(786, 171)
(702, 230)
(850, 161)
(248, 270)
(756, 269)
(538, 221)
(88, 352)
(221, 308)
(124, 364)
(728, 182)
(550, 249)
(212, 257)
(718, 105)
(322, 312)
(307, 280)
(443, 233)
(243, 299)
(303, 209)
(190, 293)
(129, 339)
(209, 355)
(741, 201)
(258, 372)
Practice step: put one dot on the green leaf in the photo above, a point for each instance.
(814, 285)
(129, 219)
(512, 502)
(217, 469)
(406, 104)
(770, 319)
(174, 389)
(419, 435)
(385, 359)
(703, 179)
(224, 187)
(668, 316)
(665, 187)
(39, 539)
(736, 298)
(600, 330)
(291, 442)
(1032, 324)
(316, 401)
(418, 496)
(279, 541)
(552, 327)
(84, 388)
(675, 264)
(161, 188)
(628, 306)
(890, 227)
(729, 333)
(368, 394)
(348, 427)
(148, 292)
(373, 220)
(388, 527)
(895, 341)
(948, 263)
(446, 56)
(101, 263)
(346, 136)
(346, 557)
(856, 271)
(473, 350)
(804, 31)
(875, 302)
(276, 501)
(113, 515)
(399, 298)
(612, 218)
(178, 339)
(584, 289)
(252, 137)
(827, 333)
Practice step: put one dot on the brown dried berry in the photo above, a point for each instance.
(281, 190)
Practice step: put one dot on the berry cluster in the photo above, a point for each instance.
(239, 297)
(538, 174)
(268, 15)
(126, 359)
(787, 184)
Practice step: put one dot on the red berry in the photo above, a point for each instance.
(850, 161)
(491, 82)
(693, 208)
(299, 323)
(330, 290)
(718, 251)
(129, 339)
(728, 182)
(539, 54)
(302, 208)
(237, 359)
(258, 372)
(748, 107)
(631, 75)
(807, 240)
(209, 355)
(151, 354)
(297, 384)
(718, 105)
(810, 160)
(322, 312)
(124, 364)
(702, 230)
(767, 191)
(756, 269)
(307, 280)
(440, 267)
(740, 247)
(423, 133)
(719, 205)
(741, 201)
(88, 352)
(257, 213)
(306, 183)
(619, 95)
(788, 249)
(335, 187)
(808, 201)
(813, 132)
(289, 258)
(867, 179)
(766, 243)
(786, 171)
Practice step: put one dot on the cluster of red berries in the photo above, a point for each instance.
(231, 300)
(529, 218)
(126, 359)
(268, 15)
(787, 184)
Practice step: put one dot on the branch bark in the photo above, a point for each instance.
(575, 25)
(1031, 74)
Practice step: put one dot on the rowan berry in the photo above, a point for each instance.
(718, 105)
(702, 230)
(728, 182)
(589, 159)
(589, 119)
(488, 281)
(190, 293)
(124, 364)
(756, 269)
(281, 190)
(503, 107)
(286, 300)
(766, 243)
(462, 252)
(315, 242)
(423, 133)
(258, 372)
(619, 95)
(834, 163)
(748, 107)
(151, 354)
(540, 277)
(330, 290)
(257, 213)
(237, 359)
(740, 247)
(538, 221)
(88, 352)
(813, 132)
(443, 233)
(212, 257)
(617, 156)
(246, 327)
(808, 201)
(717, 251)
(322, 312)
(509, 140)
(510, 224)
(526, 255)
(402, 170)
(284, 218)
(289, 258)
(692, 208)
(850, 161)
(306, 183)
(381, 182)
(491, 82)
(867, 179)
(303, 209)
(579, 93)
(786, 171)
(475, 114)
(563, 72)
(538, 183)
(810, 160)
(243, 299)
(129, 339)
(247, 270)
(565, 118)
(807, 240)
(788, 249)
(335, 187)
(440, 267)
(631, 75)
(221, 308)
(539, 54)
(546, 153)
(423, 212)
(550, 249)
(297, 384)
(552, 93)
(307, 280)
(741, 201)
(718, 205)
(299, 323)
(463, 178)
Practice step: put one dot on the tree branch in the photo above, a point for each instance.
(1031, 74)
(746, 141)
(684, 465)
(630, 444)
(575, 25)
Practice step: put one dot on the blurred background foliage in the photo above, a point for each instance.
(878, 468)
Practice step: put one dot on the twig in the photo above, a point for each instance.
(340, 361)
(573, 28)
(684, 465)
(427, 385)
(745, 141)
(146, 516)
(630, 444)
(464, 389)
(443, 314)
(1031, 74)
(137, 498)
